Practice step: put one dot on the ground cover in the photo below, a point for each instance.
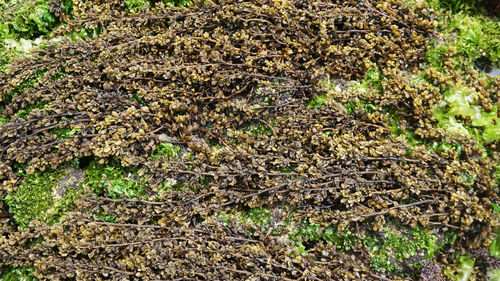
(273, 140)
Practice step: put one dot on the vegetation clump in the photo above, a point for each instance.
(179, 116)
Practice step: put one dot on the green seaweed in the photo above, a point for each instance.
(63, 133)
(135, 5)
(493, 275)
(166, 150)
(34, 198)
(306, 232)
(393, 248)
(317, 101)
(468, 34)
(459, 104)
(24, 273)
(463, 271)
(261, 129)
(114, 180)
(260, 216)
(101, 216)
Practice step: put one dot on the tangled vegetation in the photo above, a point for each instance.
(248, 140)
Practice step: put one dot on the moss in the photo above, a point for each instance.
(389, 251)
(63, 133)
(317, 101)
(260, 216)
(468, 34)
(104, 217)
(35, 198)
(166, 150)
(115, 181)
(260, 129)
(17, 274)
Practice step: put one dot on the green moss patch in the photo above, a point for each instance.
(391, 249)
(115, 181)
(166, 150)
(17, 274)
(44, 196)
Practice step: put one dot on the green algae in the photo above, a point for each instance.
(37, 197)
(317, 101)
(63, 133)
(466, 34)
(166, 150)
(390, 250)
(24, 273)
(115, 181)
(459, 104)
(135, 5)
(464, 269)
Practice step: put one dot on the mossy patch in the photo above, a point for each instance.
(166, 150)
(136, 5)
(41, 196)
(466, 34)
(63, 133)
(390, 250)
(260, 129)
(115, 181)
(17, 274)
(317, 101)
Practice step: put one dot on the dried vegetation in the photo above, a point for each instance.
(224, 106)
